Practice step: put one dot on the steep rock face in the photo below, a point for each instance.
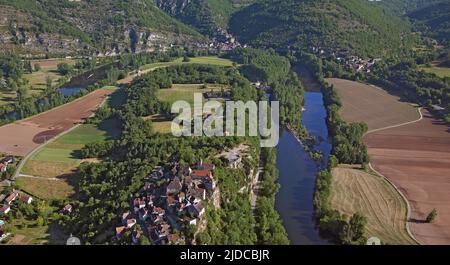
(16, 34)
(207, 16)
(173, 7)
(104, 27)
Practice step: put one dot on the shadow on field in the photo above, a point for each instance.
(417, 221)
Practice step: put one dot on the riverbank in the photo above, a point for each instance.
(297, 173)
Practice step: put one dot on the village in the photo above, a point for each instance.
(222, 41)
(169, 201)
(349, 62)
(6, 203)
(174, 199)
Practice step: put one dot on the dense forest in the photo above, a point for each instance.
(405, 79)
(361, 27)
(433, 20)
(207, 16)
(274, 70)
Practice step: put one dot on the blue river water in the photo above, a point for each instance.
(298, 172)
(69, 91)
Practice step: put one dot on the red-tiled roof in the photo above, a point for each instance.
(11, 197)
(25, 198)
(206, 166)
(201, 173)
(4, 208)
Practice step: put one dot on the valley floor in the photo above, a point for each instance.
(413, 153)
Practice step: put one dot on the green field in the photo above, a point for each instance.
(61, 156)
(435, 69)
(211, 60)
(178, 92)
(37, 81)
(160, 123)
(185, 92)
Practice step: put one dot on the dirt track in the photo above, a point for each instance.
(22, 137)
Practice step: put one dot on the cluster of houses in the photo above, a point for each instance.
(169, 200)
(222, 41)
(7, 201)
(4, 163)
(349, 62)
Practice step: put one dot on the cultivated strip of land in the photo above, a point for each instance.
(355, 190)
(22, 137)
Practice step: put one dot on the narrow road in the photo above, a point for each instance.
(34, 177)
(255, 184)
(399, 125)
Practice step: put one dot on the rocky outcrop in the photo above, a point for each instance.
(81, 28)
(172, 7)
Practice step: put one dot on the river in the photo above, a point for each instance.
(297, 176)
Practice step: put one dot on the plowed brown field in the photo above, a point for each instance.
(371, 105)
(22, 137)
(414, 156)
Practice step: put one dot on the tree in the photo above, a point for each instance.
(40, 221)
(143, 240)
(3, 84)
(432, 216)
(353, 232)
(28, 67)
(13, 85)
(22, 93)
(447, 118)
(186, 59)
(48, 82)
(64, 68)
(332, 162)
